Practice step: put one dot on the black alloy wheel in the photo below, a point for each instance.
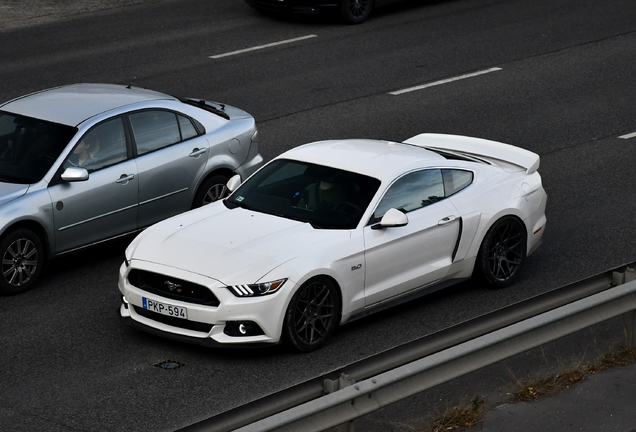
(22, 261)
(212, 189)
(313, 314)
(355, 11)
(502, 252)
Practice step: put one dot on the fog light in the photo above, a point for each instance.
(242, 328)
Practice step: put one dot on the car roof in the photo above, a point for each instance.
(374, 158)
(72, 104)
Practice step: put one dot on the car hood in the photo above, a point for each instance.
(11, 191)
(234, 246)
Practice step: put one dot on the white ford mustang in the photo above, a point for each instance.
(332, 230)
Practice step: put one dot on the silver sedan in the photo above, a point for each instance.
(85, 163)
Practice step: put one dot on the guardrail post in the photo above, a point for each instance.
(618, 278)
(629, 322)
(630, 274)
(331, 386)
(629, 318)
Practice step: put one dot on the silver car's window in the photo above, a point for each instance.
(187, 128)
(102, 146)
(154, 129)
(29, 146)
(456, 180)
(411, 192)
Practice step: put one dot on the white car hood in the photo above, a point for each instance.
(11, 191)
(232, 246)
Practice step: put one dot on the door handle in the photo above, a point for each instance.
(446, 220)
(197, 152)
(125, 178)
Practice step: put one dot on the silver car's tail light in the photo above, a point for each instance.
(254, 290)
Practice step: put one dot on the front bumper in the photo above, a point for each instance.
(293, 6)
(206, 325)
(206, 342)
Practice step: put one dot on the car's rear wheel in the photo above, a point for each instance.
(212, 189)
(22, 261)
(355, 11)
(313, 314)
(502, 252)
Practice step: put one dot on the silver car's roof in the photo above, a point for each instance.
(72, 104)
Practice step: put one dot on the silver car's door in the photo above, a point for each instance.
(105, 205)
(401, 259)
(170, 159)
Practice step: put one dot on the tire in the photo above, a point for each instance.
(313, 314)
(22, 261)
(355, 11)
(502, 253)
(211, 190)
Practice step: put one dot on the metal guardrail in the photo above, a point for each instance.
(360, 388)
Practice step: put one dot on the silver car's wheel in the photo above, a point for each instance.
(355, 11)
(313, 314)
(22, 261)
(212, 189)
(502, 252)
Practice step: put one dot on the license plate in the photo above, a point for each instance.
(165, 309)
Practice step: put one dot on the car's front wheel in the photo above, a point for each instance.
(212, 189)
(313, 314)
(355, 11)
(502, 252)
(22, 261)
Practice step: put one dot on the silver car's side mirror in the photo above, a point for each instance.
(392, 218)
(234, 183)
(74, 174)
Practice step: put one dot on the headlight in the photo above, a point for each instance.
(255, 290)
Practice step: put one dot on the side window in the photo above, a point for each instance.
(187, 128)
(154, 129)
(411, 192)
(102, 146)
(456, 180)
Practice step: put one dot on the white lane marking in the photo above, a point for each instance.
(263, 46)
(628, 136)
(436, 83)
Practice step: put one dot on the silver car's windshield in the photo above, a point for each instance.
(28, 147)
(323, 196)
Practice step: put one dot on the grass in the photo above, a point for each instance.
(534, 389)
(468, 415)
(459, 416)
(550, 384)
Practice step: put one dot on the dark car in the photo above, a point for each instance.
(350, 11)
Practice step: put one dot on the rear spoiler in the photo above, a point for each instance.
(478, 147)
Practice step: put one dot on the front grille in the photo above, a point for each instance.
(172, 288)
(174, 322)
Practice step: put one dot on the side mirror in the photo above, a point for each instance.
(74, 174)
(234, 183)
(392, 218)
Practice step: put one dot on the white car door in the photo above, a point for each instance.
(401, 259)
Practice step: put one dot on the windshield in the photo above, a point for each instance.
(323, 196)
(28, 147)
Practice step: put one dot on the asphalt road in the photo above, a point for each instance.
(565, 89)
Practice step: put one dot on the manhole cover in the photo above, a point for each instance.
(169, 364)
